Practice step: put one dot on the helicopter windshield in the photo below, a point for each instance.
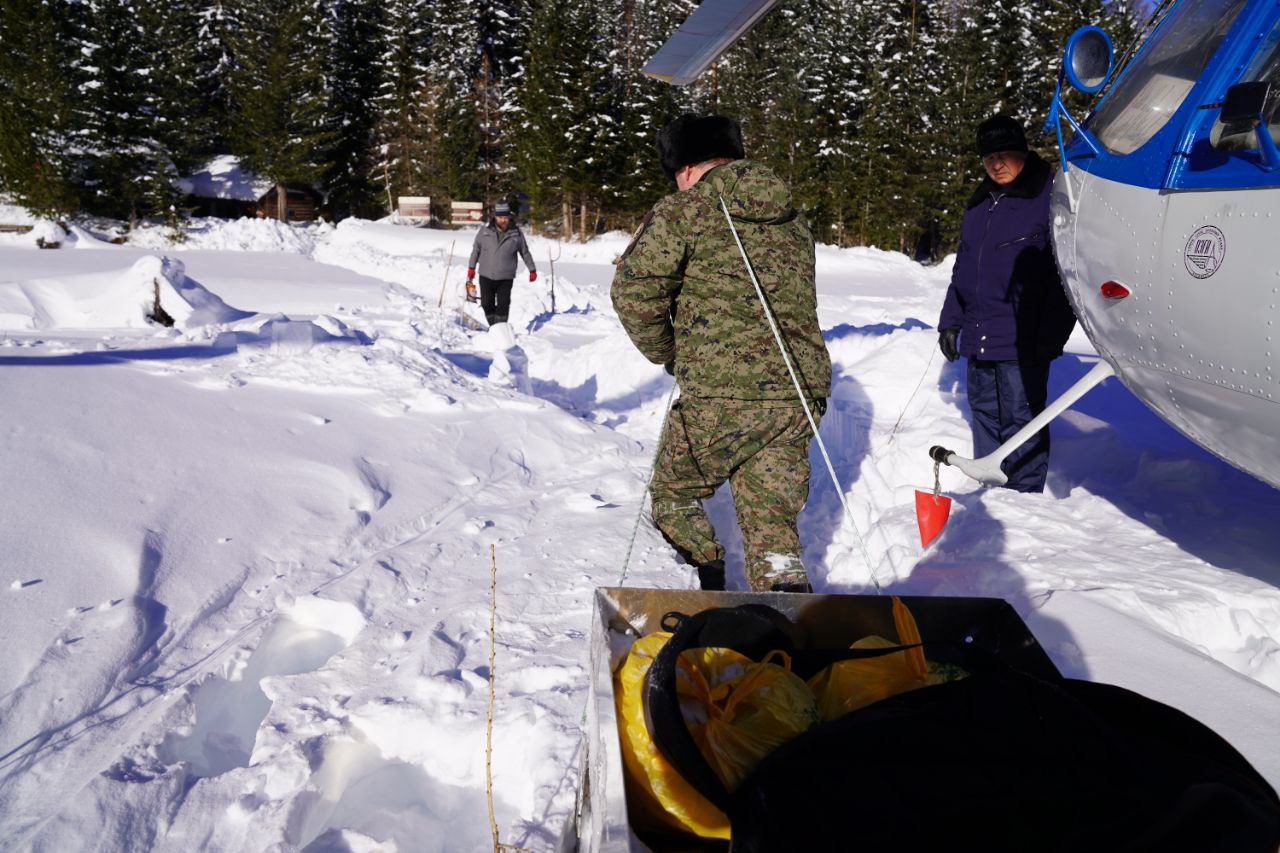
(1148, 94)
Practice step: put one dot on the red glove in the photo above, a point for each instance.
(471, 272)
(533, 275)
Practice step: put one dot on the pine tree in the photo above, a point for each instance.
(957, 105)
(460, 165)
(840, 71)
(37, 163)
(352, 88)
(768, 82)
(210, 73)
(129, 170)
(280, 125)
(403, 102)
(593, 145)
(542, 118)
(893, 131)
(865, 107)
(643, 105)
(503, 28)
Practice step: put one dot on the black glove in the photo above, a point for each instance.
(947, 342)
(670, 367)
(820, 403)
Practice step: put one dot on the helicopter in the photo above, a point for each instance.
(1165, 216)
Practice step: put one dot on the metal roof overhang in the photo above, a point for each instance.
(712, 29)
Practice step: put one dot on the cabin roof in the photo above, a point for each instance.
(224, 177)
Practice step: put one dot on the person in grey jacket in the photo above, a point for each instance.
(495, 251)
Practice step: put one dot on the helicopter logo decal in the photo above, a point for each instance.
(1205, 251)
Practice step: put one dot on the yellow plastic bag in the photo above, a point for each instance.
(852, 684)
(750, 708)
(658, 796)
(737, 710)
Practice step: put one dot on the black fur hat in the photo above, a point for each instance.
(1000, 133)
(693, 139)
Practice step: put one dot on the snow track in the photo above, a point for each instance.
(247, 601)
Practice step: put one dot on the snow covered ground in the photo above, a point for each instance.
(245, 562)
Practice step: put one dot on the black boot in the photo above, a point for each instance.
(792, 587)
(711, 575)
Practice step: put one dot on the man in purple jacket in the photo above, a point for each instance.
(1006, 310)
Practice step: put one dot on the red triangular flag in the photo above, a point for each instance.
(931, 515)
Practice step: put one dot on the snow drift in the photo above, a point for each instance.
(137, 297)
(246, 589)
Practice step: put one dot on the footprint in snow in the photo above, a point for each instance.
(475, 525)
(537, 679)
(587, 503)
(227, 711)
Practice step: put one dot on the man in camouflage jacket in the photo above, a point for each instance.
(683, 293)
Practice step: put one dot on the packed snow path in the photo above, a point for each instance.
(245, 591)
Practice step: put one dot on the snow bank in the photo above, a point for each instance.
(120, 300)
(42, 231)
(413, 257)
(13, 214)
(237, 235)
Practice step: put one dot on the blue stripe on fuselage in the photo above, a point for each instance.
(1178, 156)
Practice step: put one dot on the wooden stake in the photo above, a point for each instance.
(551, 262)
(447, 265)
(488, 736)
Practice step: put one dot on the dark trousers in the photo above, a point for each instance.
(495, 298)
(1003, 397)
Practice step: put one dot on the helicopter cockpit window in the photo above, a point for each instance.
(1150, 92)
(1265, 67)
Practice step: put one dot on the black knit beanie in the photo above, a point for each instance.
(693, 139)
(1000, 133)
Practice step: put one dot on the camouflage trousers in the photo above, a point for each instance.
(762, 448)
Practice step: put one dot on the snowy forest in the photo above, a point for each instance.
(866, 107)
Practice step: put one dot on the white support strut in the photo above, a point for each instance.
(987, 469)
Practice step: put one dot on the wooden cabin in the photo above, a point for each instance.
(302, 204)
(223, 188)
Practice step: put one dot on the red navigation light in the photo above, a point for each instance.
(1113, 290)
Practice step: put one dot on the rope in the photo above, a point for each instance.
(813, 425)
(932, 352)
(488, 729)
(648, 480)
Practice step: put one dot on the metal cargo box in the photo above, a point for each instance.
(827, 621)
